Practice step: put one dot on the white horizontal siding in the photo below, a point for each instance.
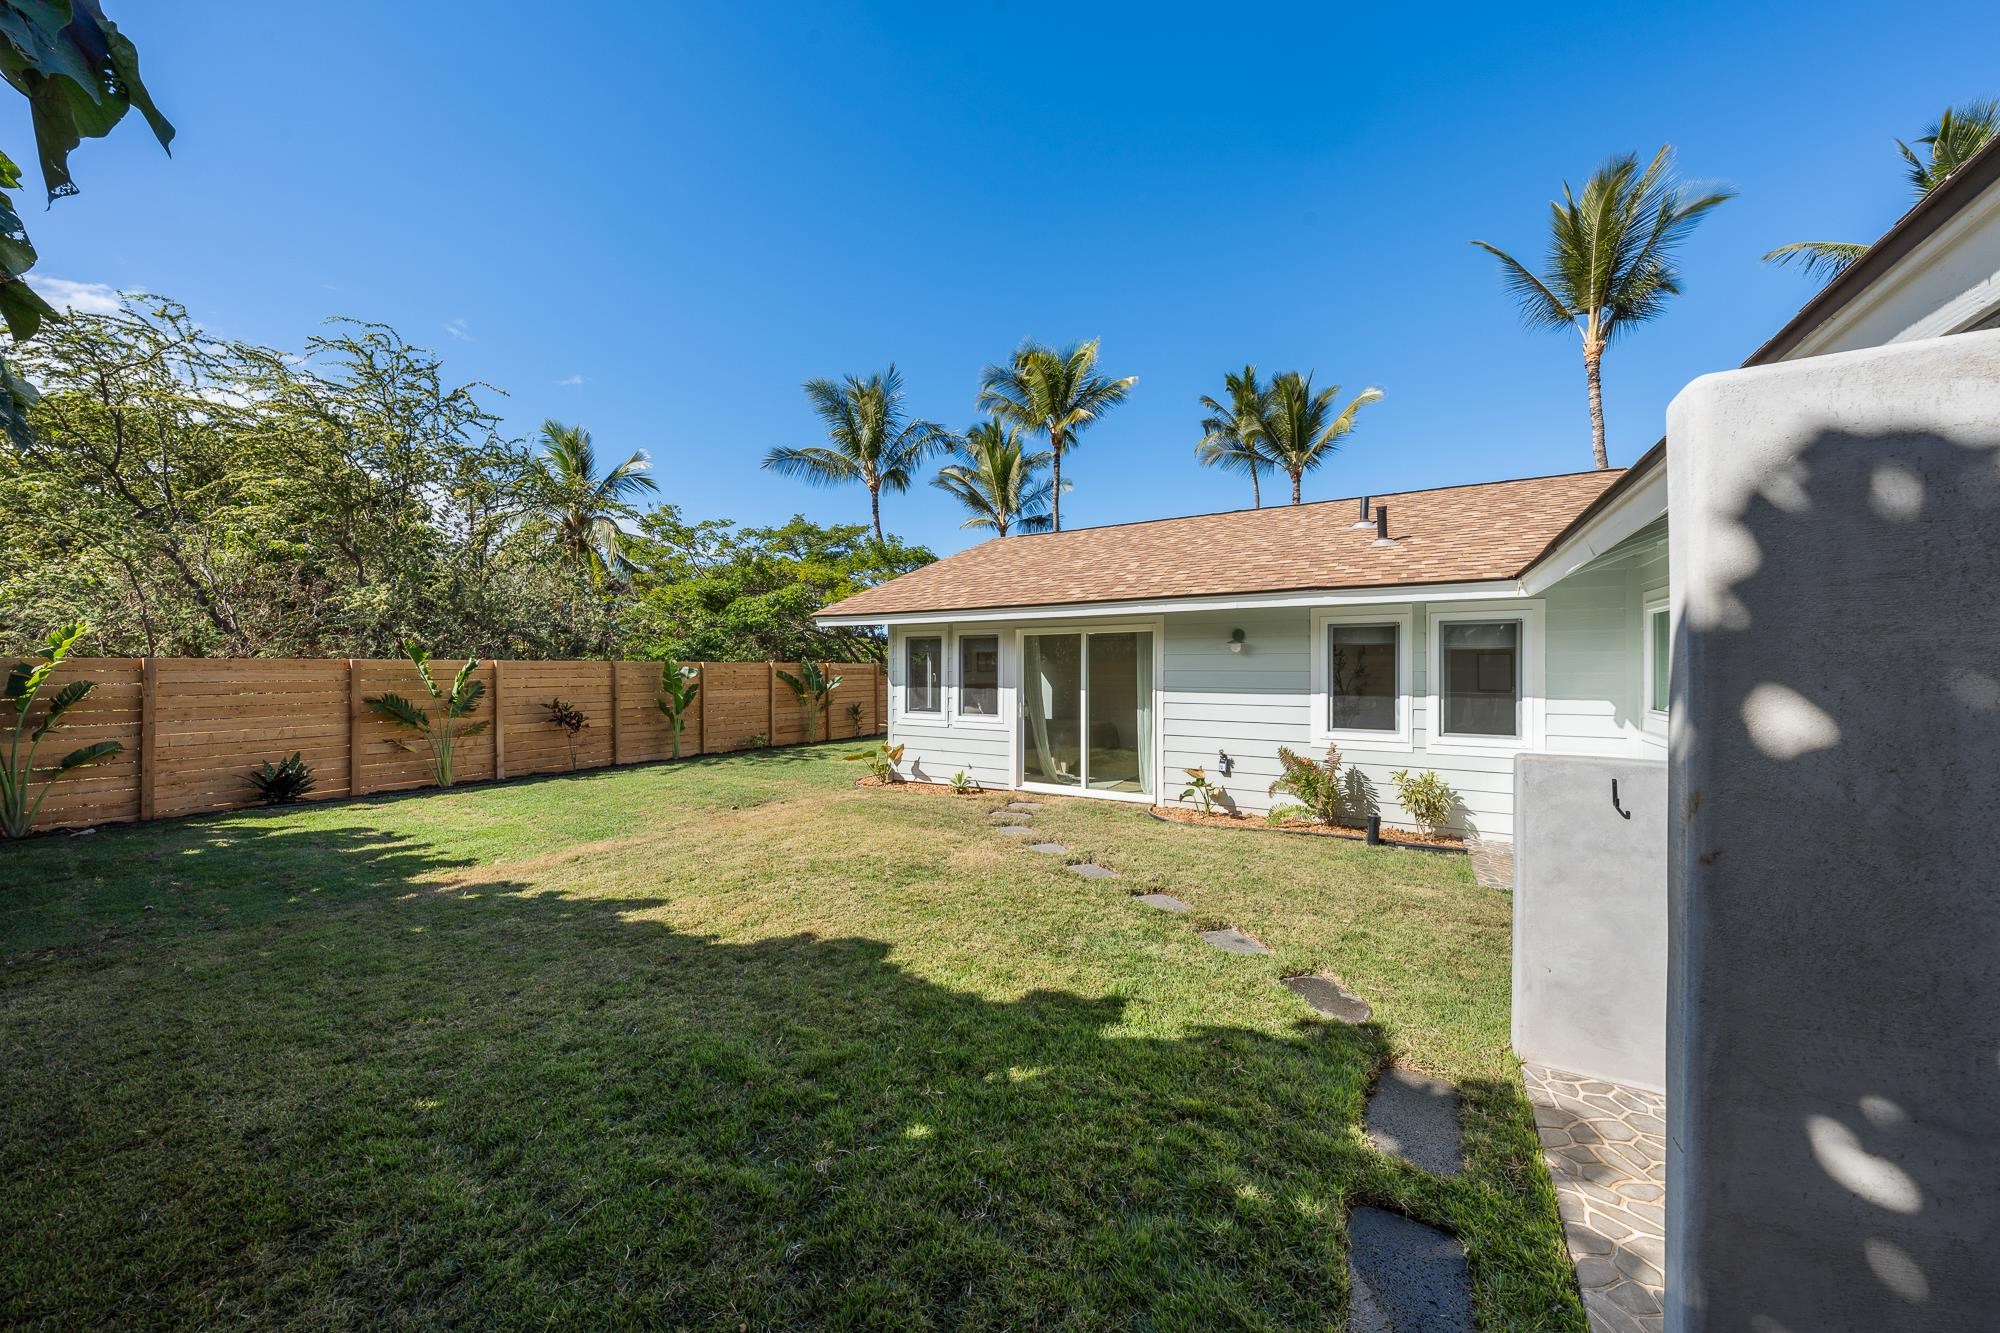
(1214, 702)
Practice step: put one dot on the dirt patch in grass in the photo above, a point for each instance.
(1392, 836)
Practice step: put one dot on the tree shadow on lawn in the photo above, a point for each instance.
(502, 1106)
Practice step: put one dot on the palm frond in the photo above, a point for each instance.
(1540, 307)
(1817, 259)
(814, 464)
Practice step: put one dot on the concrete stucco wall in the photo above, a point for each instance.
(1590, 916)
(1834, 907)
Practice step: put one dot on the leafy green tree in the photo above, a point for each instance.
(80, 76)
(870, 438)
(1952, 141)
(997, 481)
(813, 688)
(1055, 394)
(710, 591)
(1301, 430)
(1233, 433)
(22, 691)
(1610, 262)
(582, 509)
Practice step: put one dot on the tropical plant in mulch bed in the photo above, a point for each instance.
(678, 687)
(23, 690)
(814, 689)
(282, 783)
(1314, 787)
(1199, 788)
(443, 732)
(881, 761)
(572, 720)
(963, 783)
(1428, 797)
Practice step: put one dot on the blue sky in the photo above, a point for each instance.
(657, 219)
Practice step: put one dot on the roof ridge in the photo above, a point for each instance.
(1308, 504)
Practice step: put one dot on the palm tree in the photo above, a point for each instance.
(997, 481)
(1233, 435)
(1953, 139)
(1301, 430)
(1611, 260)
(581, 508)
(1055, 393)
(870, 439)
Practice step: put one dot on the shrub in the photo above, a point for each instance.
(1315, 787)
(854, 712)
(442, 733)
(1199, 788)
(572, 720)
(24, 686)
(284, 782)
(963, 782)
(1428, 797)
(678, 687)
(881, 761)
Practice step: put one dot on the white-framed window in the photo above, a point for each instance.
(1362, 671)
(1487, 678)
(923, 673)
(978, 680)
(1658, 639)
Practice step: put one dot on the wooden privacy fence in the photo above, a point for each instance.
(194, 728)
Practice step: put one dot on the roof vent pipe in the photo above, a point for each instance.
(1364, 521)
(1382, 537)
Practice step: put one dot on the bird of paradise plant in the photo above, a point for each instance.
(22, 691)
(441, 733)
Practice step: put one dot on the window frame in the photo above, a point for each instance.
(1651, 605)
(1403, 618)
(903, 642)
(955, 681)
(1531, 707)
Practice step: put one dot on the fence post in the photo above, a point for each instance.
(701, 710)
(771, 704)
(357, 709)
(499, 723)
(149, 725)
(614, 712)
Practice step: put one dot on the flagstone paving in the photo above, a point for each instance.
(1090, 871)
(1018, 831)
(1328, 997)
(1232, 940)
(1406, 1277)
(1166, 902)
(1051, 848)
(1606, 1146)
(1415, 1117)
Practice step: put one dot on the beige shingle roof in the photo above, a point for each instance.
(1458, 534)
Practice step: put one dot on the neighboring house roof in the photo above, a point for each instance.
(1457, 534)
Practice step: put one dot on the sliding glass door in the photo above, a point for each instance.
(1087, 711)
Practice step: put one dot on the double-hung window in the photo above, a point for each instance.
(1479, 691)
(979, 677)
(1361, 677)
(923, 674)
(1659, 659)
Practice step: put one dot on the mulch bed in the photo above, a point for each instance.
(1391, 837)
(935, 788)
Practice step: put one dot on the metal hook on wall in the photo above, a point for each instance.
(1623, 813)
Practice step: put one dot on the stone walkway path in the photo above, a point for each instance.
(1606, 1146)
(1406, 1277)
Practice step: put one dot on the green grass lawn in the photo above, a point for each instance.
(737, 1045)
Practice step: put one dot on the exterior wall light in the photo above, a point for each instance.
(1236, 641)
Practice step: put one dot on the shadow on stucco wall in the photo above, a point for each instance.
(1834, 1022)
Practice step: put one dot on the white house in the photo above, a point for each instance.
(1446, 629)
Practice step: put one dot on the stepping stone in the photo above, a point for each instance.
(1023, 807)
(1328, 998)
(1406, 1277)
(1166, 902)
(1415, 1117)
(1008, 817)
(1052, 848)
(1016, 831)
(1233, 940)
(1089, 871)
